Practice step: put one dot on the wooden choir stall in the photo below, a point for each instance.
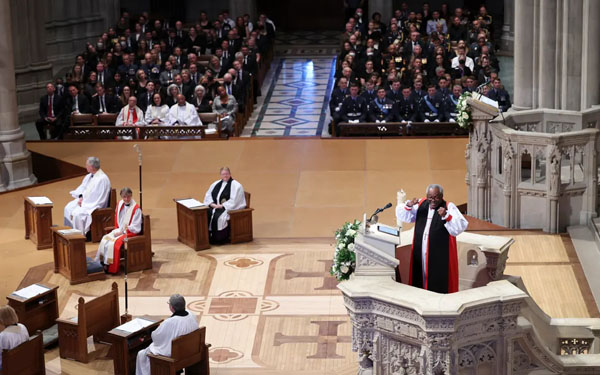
(94, 318)
(38, 220)
(103, 217)
(192, 223)
(188, 351)
(128, 339)
(37, 309)
(27, 358)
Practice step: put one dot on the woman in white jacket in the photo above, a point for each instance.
(156, 114)
(12, 333)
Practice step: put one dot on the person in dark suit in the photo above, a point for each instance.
(406, 107)
(145, 98)
(395, 94)
(187, 85)
(337, 97)
(411, 43)
(201, 101)
(74, 103)
(241, 76)
(51, 108)
(103, 102)
(382, 109)
(353, 109)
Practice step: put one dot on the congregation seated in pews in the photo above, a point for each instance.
(127, 62)
(443, 53)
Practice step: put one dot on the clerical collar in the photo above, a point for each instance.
(180, 313)
(127, 204)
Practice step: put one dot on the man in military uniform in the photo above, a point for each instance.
(431, 108)
(418, 93)
(382, 109)
(499, 94)
(369, 94)
(354, 108)
(451, 102)
(337, 97)
(406, 107)
(395, 94)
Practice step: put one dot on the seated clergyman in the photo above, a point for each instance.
(128, 222)
(223, 196)
(179, 324)
(93, 193)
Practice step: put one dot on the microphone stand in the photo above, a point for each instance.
(139, 152)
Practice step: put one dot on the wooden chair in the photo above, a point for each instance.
(139, 248)
(94, 318)
(210, 118)
(83, 119)
(27, 358)
(188, 351)
(103, 217)
(240, 223)
(106, 119)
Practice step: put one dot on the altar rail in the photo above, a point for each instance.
(391, 129)
(139, 132)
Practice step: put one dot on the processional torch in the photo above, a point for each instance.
(139, 152)
(126, 317)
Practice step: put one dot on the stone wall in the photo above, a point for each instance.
(47, 36)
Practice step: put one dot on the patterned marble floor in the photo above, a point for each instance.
(296, 99)
(307, 43)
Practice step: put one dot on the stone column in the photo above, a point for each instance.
(507, 41)
(590, 75)
(524, 50)
(547, 60)
(15, 162)
(241, 7)
(32, 68)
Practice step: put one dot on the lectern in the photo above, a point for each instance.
(69, 256)
(38, 220)
(128, 339)
(375, 248)
(192, 224)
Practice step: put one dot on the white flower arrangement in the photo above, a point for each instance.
(464, 111)
(344, 258)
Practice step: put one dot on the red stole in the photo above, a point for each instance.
(114, 267)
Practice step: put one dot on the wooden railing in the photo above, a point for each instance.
(390, 129)
(139, 132)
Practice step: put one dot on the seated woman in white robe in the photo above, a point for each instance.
(222, 196)
(128, 222)
(12, 333)
(179, 324)
(156, 114)
(93, 193)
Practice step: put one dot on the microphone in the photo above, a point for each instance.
(380, 210)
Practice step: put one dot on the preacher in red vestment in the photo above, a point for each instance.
(128, 219)
(434, 259)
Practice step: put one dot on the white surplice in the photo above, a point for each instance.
(156, 113)
(183, 115)
(125, 117)
(95, 190)
(236, 201)
(455, 226)
(11, 337)
(126, 216)
(170, 329)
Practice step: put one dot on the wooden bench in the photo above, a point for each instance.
(188, 351)
(139, 248)
(94, 318)
(103, 217)
(240, 223)
(25, 359)
(83, 119)
(210, 118)
(150, 132)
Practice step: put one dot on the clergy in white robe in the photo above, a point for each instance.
(183, 113)
(434, 258)
(131, 114)
(128, 222)
(12, 333)
(93, 193)
(222, 196)
(180, 323)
